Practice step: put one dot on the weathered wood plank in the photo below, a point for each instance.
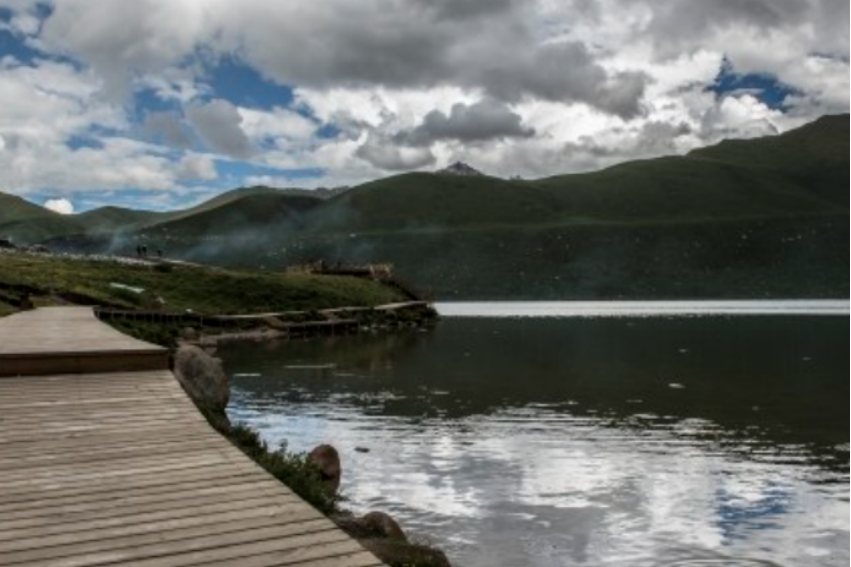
(158, 544)
(295, 514)
(119, 468)
(198, 473)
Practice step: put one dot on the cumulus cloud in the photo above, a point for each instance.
(61, 206)
(197, 167)
(339, 43)
(388, 156)
(424, 45)
(167, 128)
(483, 121)
(218, 124)
(530, 87)
(277, 124)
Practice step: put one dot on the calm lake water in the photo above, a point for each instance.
(635, 436)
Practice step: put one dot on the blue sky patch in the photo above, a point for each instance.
(237, 82)
(233, 172)
(766, 88)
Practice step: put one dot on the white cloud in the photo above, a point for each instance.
(277, 124)
(219, 124)
(197, 167)
(61, 206)
(50, 102)
(597, 81)
(120, 163)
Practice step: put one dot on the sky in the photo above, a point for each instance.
(159, 104)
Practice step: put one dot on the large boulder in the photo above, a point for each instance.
(375, 525)
(327, 460)
(384, 526)
(204, 379)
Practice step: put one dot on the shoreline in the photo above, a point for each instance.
(314, 476)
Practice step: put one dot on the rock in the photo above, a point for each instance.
(327, 460)
(461, 169)
(375, 525)
(204, 379)
(189, 334)
(401, 554)
(383, 525)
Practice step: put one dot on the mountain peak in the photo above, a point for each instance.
(462, 169)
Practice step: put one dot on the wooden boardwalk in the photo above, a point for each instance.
(119, 468)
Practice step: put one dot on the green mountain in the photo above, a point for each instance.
(109, 219)
(243, 212)
(749, 218)
(24, 222)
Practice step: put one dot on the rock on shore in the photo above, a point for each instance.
(205, 381)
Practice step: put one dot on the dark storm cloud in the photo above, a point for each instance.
(492, 46)
(390, 156)
(479, 122)
(687, 20)
(462, 9)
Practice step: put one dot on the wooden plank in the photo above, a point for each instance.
(65, 515)
(85, 453)
(105, 525)
(152, 545)
(123, 498)
(82, 362)
(91, 470)
(196, 473)
(294, 514)
(59, 482)
(119, 468)
(286, 551)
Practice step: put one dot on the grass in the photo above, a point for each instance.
(203, 290)
(293, 469)
(304, 479)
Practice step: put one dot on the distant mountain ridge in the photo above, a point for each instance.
(746, 217)
(462, 169)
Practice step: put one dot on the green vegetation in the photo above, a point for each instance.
(293, 469)
(6, 309)
(754, 218)
(255, 209)
(201, 289)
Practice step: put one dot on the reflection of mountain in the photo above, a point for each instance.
(757, 387)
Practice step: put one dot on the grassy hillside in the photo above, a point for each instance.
(803, 171)
(758, 218)
(262, 209)
(110, 219)
(25, 222)
(753, 218)
(201, 289)
(432, 200)
(28, 223)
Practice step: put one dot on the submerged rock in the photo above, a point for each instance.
(206, 382)
(327, 460)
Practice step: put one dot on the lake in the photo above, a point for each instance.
(614, 434)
